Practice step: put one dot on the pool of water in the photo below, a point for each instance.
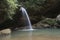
(37, 34)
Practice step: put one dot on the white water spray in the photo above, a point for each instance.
(25, 15)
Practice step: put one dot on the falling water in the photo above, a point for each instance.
(25, 15)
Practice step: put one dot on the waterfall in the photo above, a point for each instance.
(26, 17)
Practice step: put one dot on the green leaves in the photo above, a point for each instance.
(8, 7)
(12, 6)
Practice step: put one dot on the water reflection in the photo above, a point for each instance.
(5, 36)
(30, 35)
(42, 34)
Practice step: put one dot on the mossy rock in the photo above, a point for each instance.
(49, 21)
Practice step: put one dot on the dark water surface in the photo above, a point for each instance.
(38, 34)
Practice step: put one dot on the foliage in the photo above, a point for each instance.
(40, 7)
(31, 3)
(33, 8)
(8, 8)
(12, 6)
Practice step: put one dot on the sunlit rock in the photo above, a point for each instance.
(5, 31)
(58, 18)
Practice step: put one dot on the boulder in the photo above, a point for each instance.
(58, 17)
(58, 21)
(5, 31)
